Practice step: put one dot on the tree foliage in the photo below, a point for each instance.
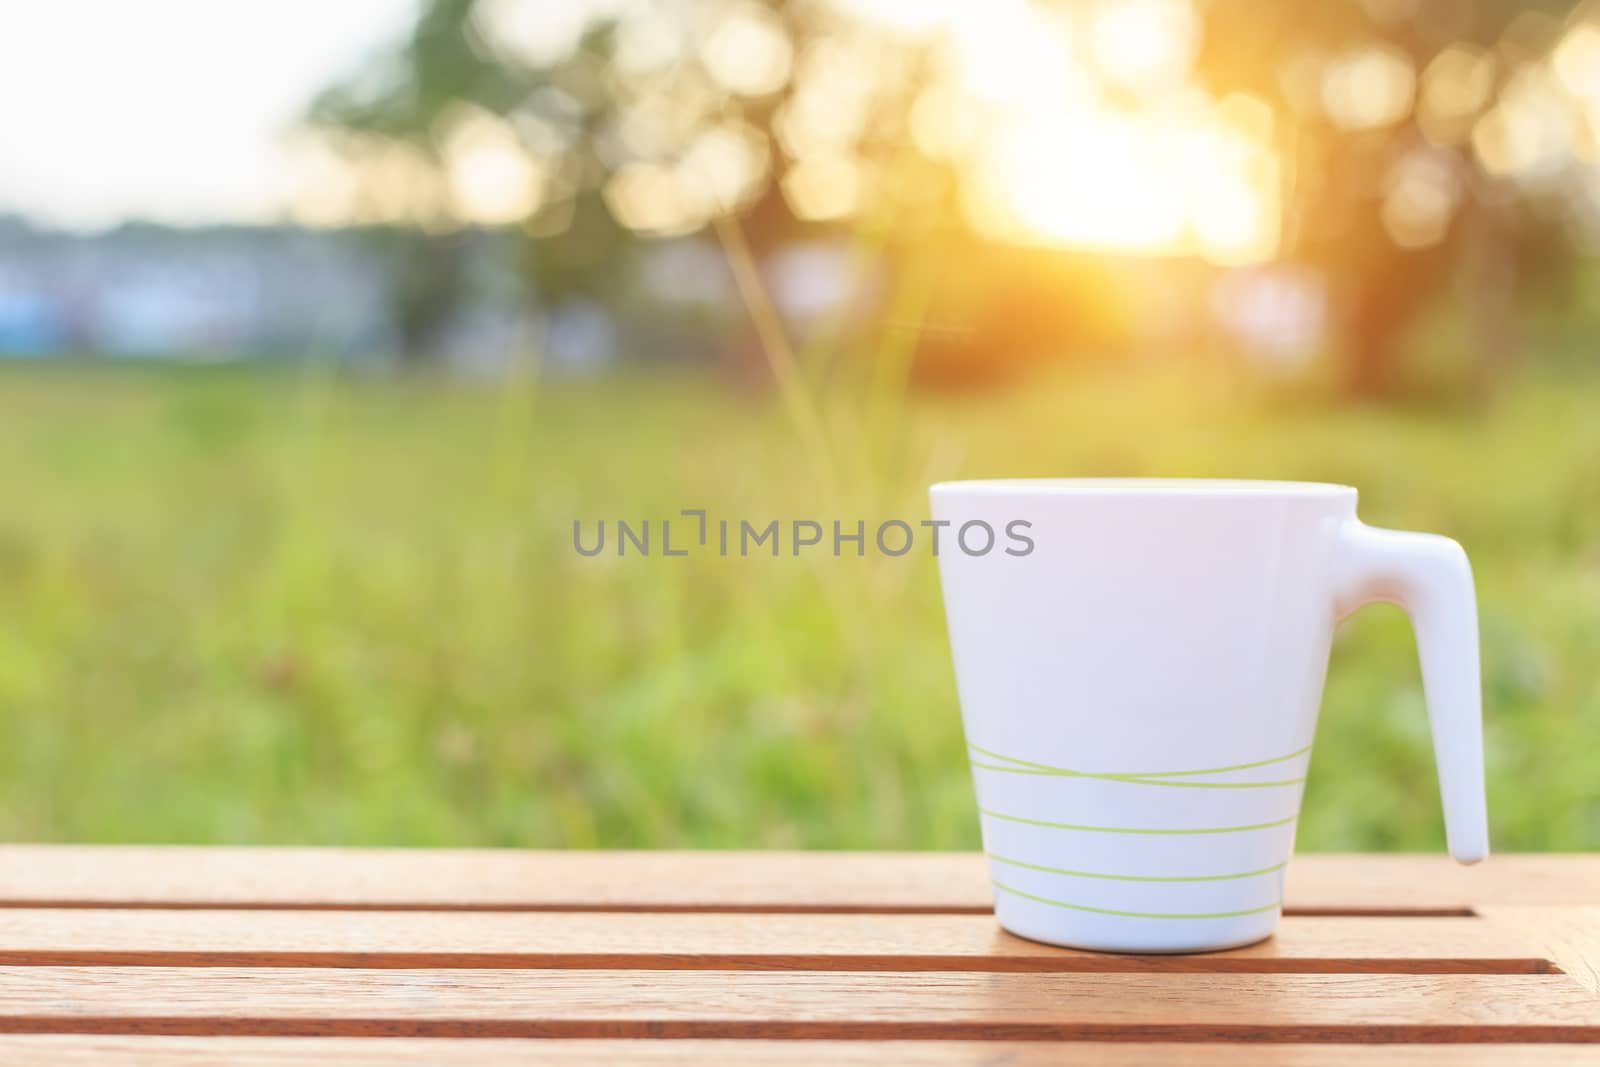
(655, 117)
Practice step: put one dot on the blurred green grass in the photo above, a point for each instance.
(297, 606)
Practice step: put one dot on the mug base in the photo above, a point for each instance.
(1122, 935)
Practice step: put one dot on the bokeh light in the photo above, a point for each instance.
(493, 181)
(1369, 86)
(748, 51)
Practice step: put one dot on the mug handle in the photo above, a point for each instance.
(1429, 578)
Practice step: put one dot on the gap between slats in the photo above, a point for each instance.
(390, 1052)
(799, 1006)
(775, 908)
(791, 1030)
(890, 943)
(1100, 964)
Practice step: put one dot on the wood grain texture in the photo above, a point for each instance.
(1346, 884)
(511, 1052)
(69, 875)
(715, 941)
(1569, 937)
(492, 879)
(793, 1005)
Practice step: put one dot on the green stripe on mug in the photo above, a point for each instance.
(1030, 767)
(1120, 779)
(1141, 914)
(1139, 877)
(1134, 829)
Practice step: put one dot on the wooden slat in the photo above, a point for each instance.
(1340, 883)
(1569, 937)
(58, 876)
(685, 941)
(802, 1004)
(512, 1052)
(505, 879)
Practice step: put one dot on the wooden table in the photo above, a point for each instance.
(269, 956)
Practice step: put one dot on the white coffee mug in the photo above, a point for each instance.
(1139, 690)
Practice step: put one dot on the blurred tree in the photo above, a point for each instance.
(1390, 200)
(396, 122)
(1400, 130)
(399, 101)
(648, 121)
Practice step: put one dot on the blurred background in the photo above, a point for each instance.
(321, 325)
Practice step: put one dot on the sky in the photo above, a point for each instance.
(170, 110)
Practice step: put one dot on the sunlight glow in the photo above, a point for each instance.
(1144, 44)
(1011, 52)
(1052, 157)
(1028, 109)
(1092, 179)
(915, 17)
(1152, 184)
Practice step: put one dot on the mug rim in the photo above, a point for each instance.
(1171, 487)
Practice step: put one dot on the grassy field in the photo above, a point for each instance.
(299, 607)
